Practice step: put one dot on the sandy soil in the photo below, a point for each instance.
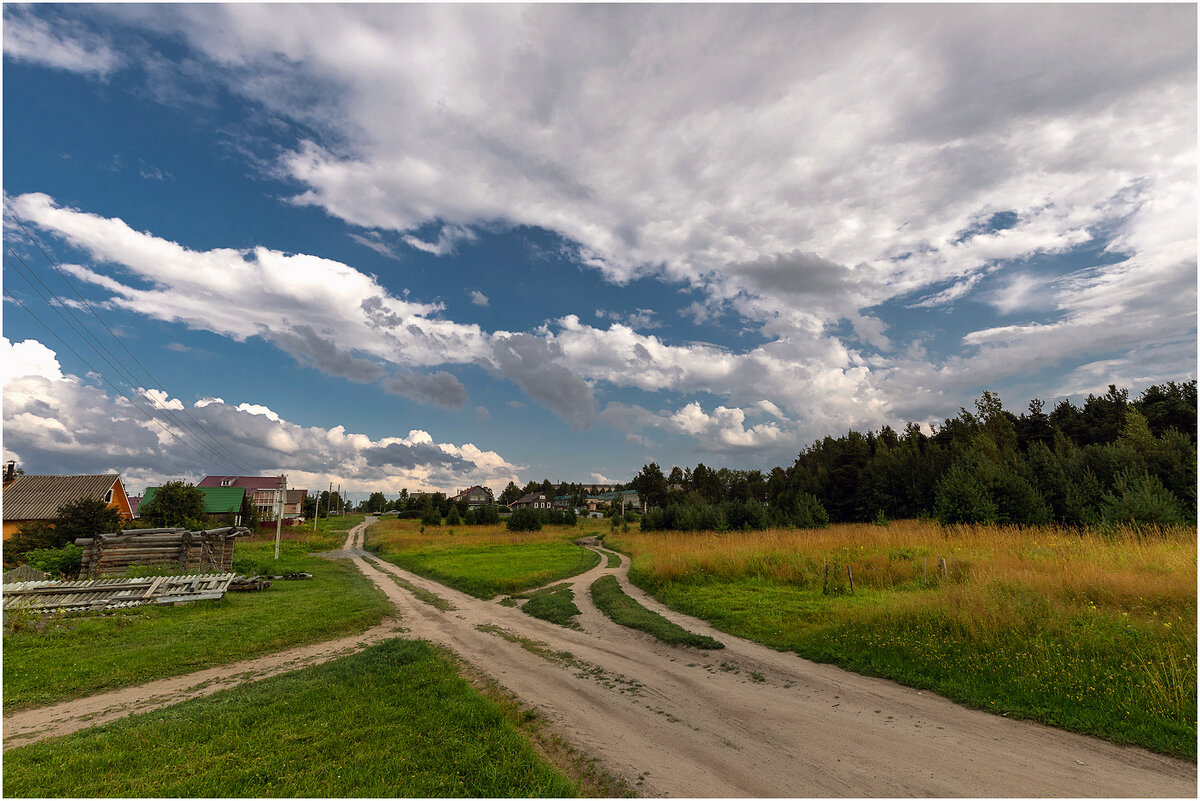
(677, 721)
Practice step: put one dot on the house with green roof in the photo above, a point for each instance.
(222, 505)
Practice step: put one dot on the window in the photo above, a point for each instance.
(108, 496)
(226, 482)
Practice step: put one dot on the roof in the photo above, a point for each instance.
(533, 496)
(38, 497)
(250, 483)
(296, 496)
(217, 500)
(611, 496)
(471, 489)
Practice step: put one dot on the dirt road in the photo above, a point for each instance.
(751, 721)
(676, 721)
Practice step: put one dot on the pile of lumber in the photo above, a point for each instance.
(177, 548)
(104, 594)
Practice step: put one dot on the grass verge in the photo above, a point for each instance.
(1091, 633)
(612, 601)
(483, 561)
(393, 720)
(73, 656)
(423, 595)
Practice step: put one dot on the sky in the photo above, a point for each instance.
(427, 246)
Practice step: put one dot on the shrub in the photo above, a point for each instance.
(431, 517)
(1140, 499)
(524, 519)
(61, 562)
(453, 518)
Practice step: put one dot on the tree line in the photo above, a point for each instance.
(1111, 460)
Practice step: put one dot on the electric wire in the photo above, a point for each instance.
(78, 327)
(153, 381)
(138, 406)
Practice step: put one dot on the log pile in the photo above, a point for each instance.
(177, 548)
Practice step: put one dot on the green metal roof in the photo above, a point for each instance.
(217, 500)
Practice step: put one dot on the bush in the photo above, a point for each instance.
(431, 517)
(28, 537)
(61, 562)
(453, 518)
(524, 519)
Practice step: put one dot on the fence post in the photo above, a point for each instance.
(925, 567)
(825, 583)
(851, 577)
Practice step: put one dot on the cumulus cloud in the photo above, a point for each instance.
(58, 423)
(478, 298)
(440, 389)
(802, 179)
(536, 366)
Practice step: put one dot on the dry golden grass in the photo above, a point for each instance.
(1128, 571)
(394, 535)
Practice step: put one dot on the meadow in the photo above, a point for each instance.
(1088, 631)
(393, 720)
(483, 561)
(72, 656)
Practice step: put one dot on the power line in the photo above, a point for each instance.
(154, 381)
(79, 328)
(195, 428)
(150, 417)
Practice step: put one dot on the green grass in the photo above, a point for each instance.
(612, 601)
(423, 595)
(330, 533)
(1092, 672)
(555, 604)
(485, 571)
(81, 655)
(393, 720)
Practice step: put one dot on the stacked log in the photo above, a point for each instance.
(176, 548)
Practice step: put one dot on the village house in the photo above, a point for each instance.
(533, 500)
(475, 496)
(263, 492)
(222, 505)
(29, 498)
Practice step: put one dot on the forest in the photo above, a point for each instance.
(1110, 461)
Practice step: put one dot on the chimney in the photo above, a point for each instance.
(10, 471)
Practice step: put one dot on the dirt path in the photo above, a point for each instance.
(676, 721)
(751, 721)
(31, 725)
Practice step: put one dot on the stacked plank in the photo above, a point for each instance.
(176, 548)
(101, 594)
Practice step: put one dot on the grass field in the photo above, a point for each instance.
(393, 720)
(76, 656)
(483, 561)
(1089, 632)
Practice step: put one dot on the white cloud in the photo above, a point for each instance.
(56, 44)
(478, 298)
(56, 423)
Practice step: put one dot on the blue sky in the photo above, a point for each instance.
(433, 246)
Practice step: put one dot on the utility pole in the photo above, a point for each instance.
(316, 512)
(341, 503)
(279, 511)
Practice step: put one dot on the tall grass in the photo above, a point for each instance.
(1087, 630)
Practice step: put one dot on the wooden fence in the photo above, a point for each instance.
(113, 554)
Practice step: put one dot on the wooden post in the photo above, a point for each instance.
(825, 583)
(925, 563)
(851, 577)
(942, 566)
(279, 513)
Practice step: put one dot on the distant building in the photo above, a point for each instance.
(533, 500)
(221, 504)
(475, 496)
(627, 498)
(28, 498)
(263, 492)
